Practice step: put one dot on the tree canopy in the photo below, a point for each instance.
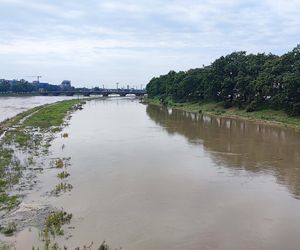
(22, 86)
(251, 81)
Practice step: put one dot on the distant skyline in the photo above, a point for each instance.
(103, 42)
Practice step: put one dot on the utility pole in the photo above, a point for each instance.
(117, 85)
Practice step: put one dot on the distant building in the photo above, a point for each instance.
(66, 84)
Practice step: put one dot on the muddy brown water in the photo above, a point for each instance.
(147, 177)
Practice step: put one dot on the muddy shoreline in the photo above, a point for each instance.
(25, 141)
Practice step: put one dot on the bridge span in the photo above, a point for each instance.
(103, 92)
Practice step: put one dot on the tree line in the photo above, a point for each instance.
(249, 81)
(22, 86)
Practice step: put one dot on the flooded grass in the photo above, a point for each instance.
(62, 188)
(29, 134)
(9, 229)
(21, 138)
(4, 246)
(9, 175)
(59, 163)
(55, 221)
(63, 175)
(65, 135)
(53, 227)
(8, 202)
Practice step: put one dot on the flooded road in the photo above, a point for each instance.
(11, 106)
(146, 177)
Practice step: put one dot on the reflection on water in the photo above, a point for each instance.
(146, 177)
(238, 144)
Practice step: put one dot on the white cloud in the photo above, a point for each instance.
(153, 36)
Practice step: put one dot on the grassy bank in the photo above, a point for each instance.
(274, 117)
(21, 135)
(50, 115)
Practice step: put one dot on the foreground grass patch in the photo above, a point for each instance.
(8, 202)
(63, 175)
(9, 229)
(51, 115)
(55, 221)
(62, 188)
(30, 133)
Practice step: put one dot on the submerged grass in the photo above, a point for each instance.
(59, 163)
(9, 174)
(9, 229)
(8, 202)
(62, 188)
(53, 227)
(63, 175)
(55, 221)
(25, 132)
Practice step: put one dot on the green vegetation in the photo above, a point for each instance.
(237, 83)
(51, 115)
(9, 173)
(9, 229)
(24, 87)
(4, 246)
(8, 202)
(62, 188)
(17, 87)
(59, 163)
(21, 138)
(55, 246)
(63, 175)
(55, 221)
(27, 133)
(65, 135)
(9, 123)
(53, 227)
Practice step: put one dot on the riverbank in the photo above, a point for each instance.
(28, 132)
(24, 144)
(25, 154)
(266, 116)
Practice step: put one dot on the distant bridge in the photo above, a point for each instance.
(103, 92)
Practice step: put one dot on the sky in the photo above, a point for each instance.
(95, 43)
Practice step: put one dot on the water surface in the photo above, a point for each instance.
(148, 178)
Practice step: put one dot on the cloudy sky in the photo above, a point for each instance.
(95, 42)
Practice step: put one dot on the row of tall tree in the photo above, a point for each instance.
(22, 86)
(251, 81)
(16, 86)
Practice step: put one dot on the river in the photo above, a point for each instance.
(147, 177)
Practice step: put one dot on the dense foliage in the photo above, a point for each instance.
(239, 79)
(23, 86)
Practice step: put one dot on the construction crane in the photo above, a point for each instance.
(37, 78)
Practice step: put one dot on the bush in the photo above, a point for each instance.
(252, 106)
(294, 109)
